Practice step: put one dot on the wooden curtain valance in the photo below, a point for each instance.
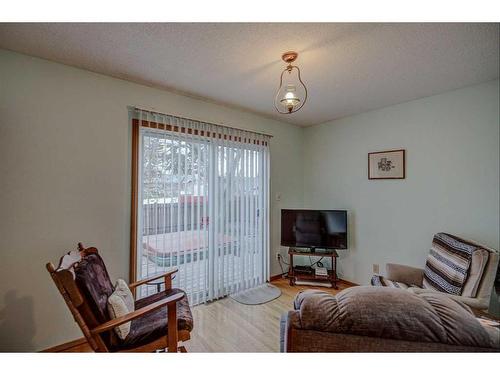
(202, 133)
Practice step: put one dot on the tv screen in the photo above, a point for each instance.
(324, 229)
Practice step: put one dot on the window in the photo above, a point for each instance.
(200, 203)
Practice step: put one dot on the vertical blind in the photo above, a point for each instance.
(202, 205)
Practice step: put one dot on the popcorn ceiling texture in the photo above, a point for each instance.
(348, 68)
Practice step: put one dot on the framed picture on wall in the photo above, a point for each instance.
(384, 165)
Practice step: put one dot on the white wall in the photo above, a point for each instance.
(65, 178)
(452, 183)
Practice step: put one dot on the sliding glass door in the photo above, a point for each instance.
(202, 208)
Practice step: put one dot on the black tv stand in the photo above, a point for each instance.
(295, 275)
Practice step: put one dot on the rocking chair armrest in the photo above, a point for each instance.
(137, 313)
(152, 278)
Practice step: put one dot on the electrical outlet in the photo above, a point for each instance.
(376, 268)
(278, 256)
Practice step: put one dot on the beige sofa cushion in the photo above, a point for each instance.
(393, 314)
(476, 270)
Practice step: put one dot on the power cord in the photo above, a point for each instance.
(280, 261)
(317, 262)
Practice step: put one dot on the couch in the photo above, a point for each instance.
(378, 319)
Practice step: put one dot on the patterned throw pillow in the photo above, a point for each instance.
(448, 264)
(120, 303)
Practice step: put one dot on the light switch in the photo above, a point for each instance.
(278, 197)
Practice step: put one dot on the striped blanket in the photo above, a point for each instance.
(448, 264)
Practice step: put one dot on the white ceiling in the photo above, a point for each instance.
(348, 68)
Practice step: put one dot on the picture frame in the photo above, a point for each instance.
(387, 165)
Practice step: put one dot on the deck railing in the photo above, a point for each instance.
(164, 217)
(171, 217)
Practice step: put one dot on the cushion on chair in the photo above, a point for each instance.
(478, 264)
(122, 290)
(391, 313)
(93, 280)
(448, 264)
(118, 308)
(153, 325)
(120, 303)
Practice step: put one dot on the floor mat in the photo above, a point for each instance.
(258, 295)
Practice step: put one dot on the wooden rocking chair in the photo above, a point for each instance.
(159, 321)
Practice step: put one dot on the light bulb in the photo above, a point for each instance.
(290, 100)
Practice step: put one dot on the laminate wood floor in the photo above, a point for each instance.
(228, 326)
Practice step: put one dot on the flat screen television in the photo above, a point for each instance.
(322, 229)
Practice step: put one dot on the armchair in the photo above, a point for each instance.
(159, 321)
(476, 291)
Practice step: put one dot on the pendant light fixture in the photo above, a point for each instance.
(292, 93)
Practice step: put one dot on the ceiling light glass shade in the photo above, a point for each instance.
(290, 100)
(292, 92)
